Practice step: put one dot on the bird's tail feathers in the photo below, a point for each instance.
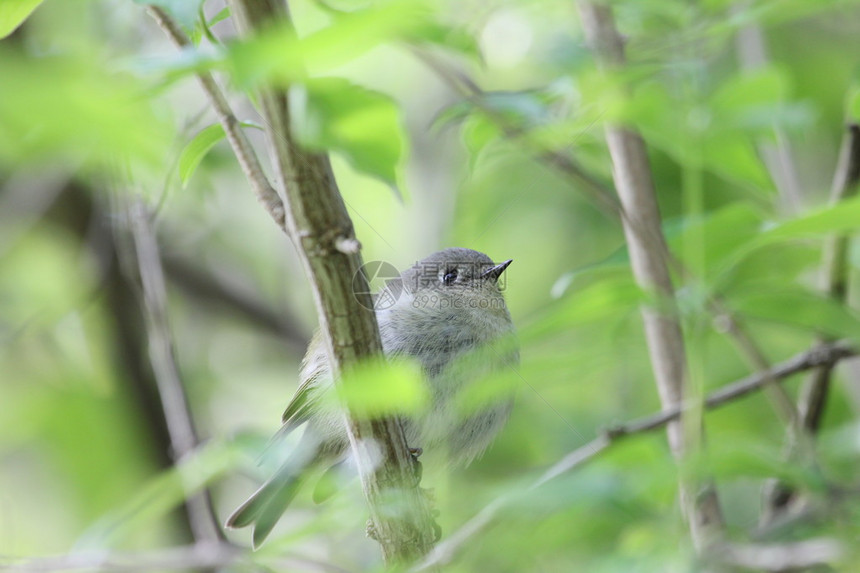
(266, 505)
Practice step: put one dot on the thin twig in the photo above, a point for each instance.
(242, 148)
(755, 357)
(183, 438)
(826, 354)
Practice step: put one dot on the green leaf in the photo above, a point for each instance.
(796, 307)
(163, 493)
(840, 218)
(13, 13)
(724, 150)
(743, 454)
(765, 86)
(455, 39)
(722, 232)
(757, 102)
(196, 150)
(377, 388)
(222, 15)
(854, 105)
(278, 55)
(454, 113)
(362, 125)
(612, 296)
(478, 133)
(784, 260)
(39, 280)
(617, 265)
(732, 156)
(65, 107)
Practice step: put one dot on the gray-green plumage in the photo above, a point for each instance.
(449, 315)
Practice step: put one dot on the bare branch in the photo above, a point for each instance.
(647, 248)
(834, 271)
(826, 354)
(779, 497)
(756, 358)
(202, 287)
(779, 157)
(318, 222)
(780, 557)
(242, 148)
(183, 438)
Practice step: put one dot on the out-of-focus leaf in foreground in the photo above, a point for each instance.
(382, 388)
(793, 306)
(606, 300)
(280, 56)
(163, 493)
(62, 108)
(816, 224)
(721, 233)
(13, 13)
(363, 125)
(842, 217)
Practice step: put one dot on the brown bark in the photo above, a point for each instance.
(318, 222)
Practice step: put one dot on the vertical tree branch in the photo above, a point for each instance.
(81, 211)
(647, 247)
(183, 437)
(318, 222)
(778, 157)
(834, 272)
(779, 497)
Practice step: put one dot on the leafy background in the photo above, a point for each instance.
(89, 85)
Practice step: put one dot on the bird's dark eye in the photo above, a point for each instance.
(449, 277)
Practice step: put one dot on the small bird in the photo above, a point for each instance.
(447, 313)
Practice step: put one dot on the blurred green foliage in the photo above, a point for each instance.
(91, 88)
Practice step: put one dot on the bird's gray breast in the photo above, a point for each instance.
(435, 339)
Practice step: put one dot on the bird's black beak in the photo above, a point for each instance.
(495, 272)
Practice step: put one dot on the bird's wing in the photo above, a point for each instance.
(315, 373)
(299, 409)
